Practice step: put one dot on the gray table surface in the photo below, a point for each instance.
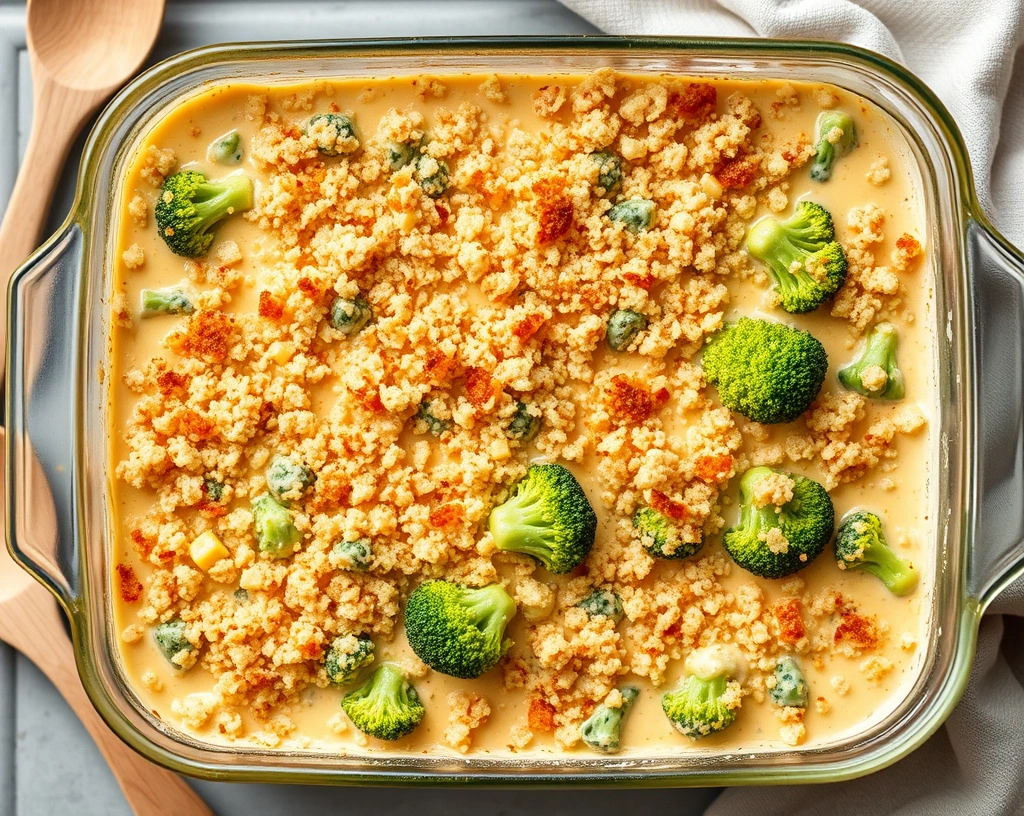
(48, 763)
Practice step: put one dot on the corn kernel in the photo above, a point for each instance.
(281, 352)
(499, 450)
(207, 550)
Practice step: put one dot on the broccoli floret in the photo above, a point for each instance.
(398, 155)
(171, 640)
(288, 480)
(241, 596)
(226, 150)
(334, 133)
(547, 516)
(432, 423)
(432, 176)
(602, 602)
(806, 262)
(523, 426)
(697, 708)
(276, 533)
(458, 630)
(609, 173)
(386, 706)
(214, 489)
(602, 729)
(805, 523)
(829, 146)
(171, 300)
(875, 373)
(349, 316)
(635, 214)
(356, 555)
(623, 326)
(347, 655)
(790, 688)
(768, 372)
(661, 537)
(190, 206)
(861, 545)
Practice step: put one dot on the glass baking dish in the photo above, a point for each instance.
(59, 501)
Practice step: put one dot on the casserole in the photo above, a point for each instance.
(61, 350)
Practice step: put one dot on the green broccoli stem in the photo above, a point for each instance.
(523, 513)
(216, 199)
(602, 730)
(824, 157)
(489, 609)
(705, 691)
(782, 264)
(782, 245)
(898, 575)
(880, 350)
(388, 687)
(826, 151)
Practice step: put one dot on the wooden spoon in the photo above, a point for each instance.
(31, 622)
(80, 52)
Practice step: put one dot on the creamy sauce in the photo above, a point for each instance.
(192, 125)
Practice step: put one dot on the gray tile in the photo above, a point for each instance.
(7, 708)
(57, 766)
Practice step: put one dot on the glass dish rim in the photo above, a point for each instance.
(480, 47)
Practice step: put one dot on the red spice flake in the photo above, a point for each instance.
(266, 414)
(555, 210)
(857, 630)
(645, 281)
(257, 679)
(632, 401)
(528, 327)
(442, 213)
(713, 468)
(309, 288)
(209, 336)
(697, 101)
(541, 716)
(311, 651)
(438, 366)
(131, 587)
(445, 515)
(495, 198)
(143, 544)
(479, 386)
(791, 622)
(668, 507)
(211, 509)
(170, 382)
(909, 246)
(338, 493)
(369, 398)
(165, 555)
(738, 173)
(270, 307)
(194, 427)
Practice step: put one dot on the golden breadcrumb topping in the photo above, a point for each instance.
(492, 296)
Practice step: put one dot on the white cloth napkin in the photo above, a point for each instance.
(963, 49)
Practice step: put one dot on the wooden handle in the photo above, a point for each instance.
(57, 118)
(149, 789)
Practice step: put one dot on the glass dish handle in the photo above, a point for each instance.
(997, 272)
(41, 413)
